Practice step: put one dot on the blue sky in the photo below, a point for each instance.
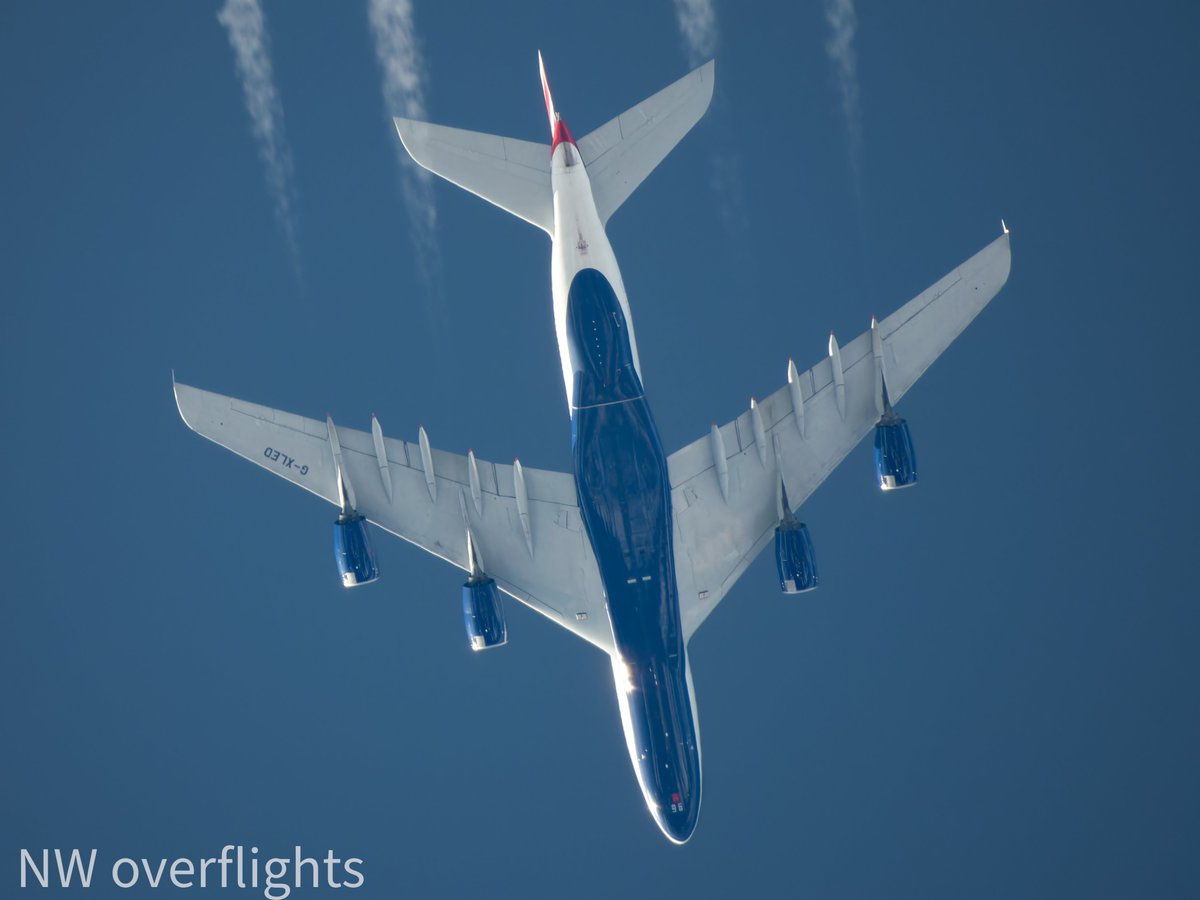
(992, 694)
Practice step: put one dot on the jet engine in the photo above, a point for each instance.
(483, 613)
(895, 459)
(352, 550)
(795, 557)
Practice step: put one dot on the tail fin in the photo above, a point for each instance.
(550, 110)
(558, 128)
(621, 153)
(512, 174)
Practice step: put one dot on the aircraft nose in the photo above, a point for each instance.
(679, 832)
(677, 818)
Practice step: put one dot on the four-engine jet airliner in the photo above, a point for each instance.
(635, 548)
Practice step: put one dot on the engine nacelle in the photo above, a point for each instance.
(353, 552)
(795, 557)
(895, 459)
(483, 614)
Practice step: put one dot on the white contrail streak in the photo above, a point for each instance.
(725, 179)
(697, 20)
(404, 79)
(243, 20)
(698, 23)
(843, 22)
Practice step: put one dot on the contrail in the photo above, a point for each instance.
(725, 179)
(404, 78)
(843, 22)
(698, 23)
(243, 20)
(697, 20)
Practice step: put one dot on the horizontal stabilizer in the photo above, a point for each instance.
(622, 152)
(512, 174)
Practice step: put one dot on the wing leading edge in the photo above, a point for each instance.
(548, 567)
(718, 537)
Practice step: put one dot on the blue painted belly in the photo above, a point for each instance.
(624, 494)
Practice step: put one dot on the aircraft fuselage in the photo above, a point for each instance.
(624, 495)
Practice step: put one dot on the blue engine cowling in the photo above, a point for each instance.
(895, 459)
(483, 614)
(795, 558)
(353, 552)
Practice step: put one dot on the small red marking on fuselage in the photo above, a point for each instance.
(674, 798)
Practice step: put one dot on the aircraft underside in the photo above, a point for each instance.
(596, 550)
(624, 496)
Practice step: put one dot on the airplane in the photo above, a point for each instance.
(634, 549)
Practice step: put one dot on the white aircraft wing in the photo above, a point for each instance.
(548, 566)
(717, 538)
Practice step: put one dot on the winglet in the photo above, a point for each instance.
(175, 386)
